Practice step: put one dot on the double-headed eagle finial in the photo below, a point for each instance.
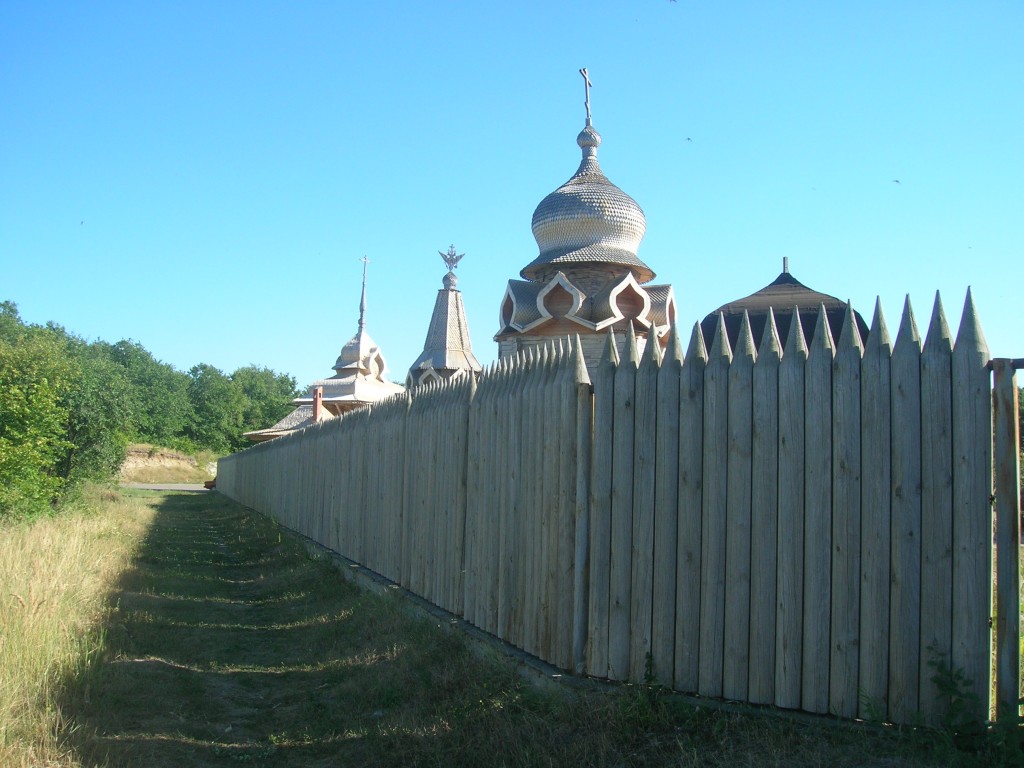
(451, 259)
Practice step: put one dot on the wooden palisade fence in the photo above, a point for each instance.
(806, 523)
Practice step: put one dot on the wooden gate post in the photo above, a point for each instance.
(1007, 467)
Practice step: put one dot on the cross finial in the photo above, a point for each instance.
(586, 88)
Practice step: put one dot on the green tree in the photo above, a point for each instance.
(35, 379)
(100, 408)
(217, 409)
(268, 397)
(161, 410)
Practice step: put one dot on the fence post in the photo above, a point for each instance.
(581, 564)
(1007, 466)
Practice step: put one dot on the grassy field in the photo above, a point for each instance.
(174, 629)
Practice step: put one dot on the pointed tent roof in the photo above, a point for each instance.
(447, 348)
(780, 295)
(360, 370)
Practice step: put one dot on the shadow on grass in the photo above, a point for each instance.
(226, 643)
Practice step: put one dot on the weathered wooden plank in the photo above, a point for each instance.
(666, 512)
(713, 520)
(600, 510)
(584, 396)
(736, 654)
(905, 574)
(474, 489)
(764, 503)
(642, 557)
(690, 514)
(1006, 420)
(972, 513)
(565, 537)
(506, 438)
(936, 510)
(876, 435)
(622, 511)
(817, 518)
(846, 521)
(466, 387)
(550, 510)
(790, 581)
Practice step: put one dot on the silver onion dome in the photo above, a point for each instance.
(588, 220)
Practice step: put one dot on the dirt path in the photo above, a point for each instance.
(229, 645)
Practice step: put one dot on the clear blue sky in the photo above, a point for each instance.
(203, 177)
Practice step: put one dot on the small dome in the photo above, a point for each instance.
(588, 220)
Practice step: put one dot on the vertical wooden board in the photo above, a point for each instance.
(565, 558)
(818, 518)
(905, 579)
(409, 459)
(689, 511)
(713, 522)
(642, 556)
(533, 509)
(666, 513)
(764, 516)
(622, 513)
(844, 697)
(936, 510)
(506, 519)
(581, 533)
(876, 432)
(972, 513)
(526, 596)
(736, 654)
(564, 540)
(600, 512)
(549, 509)
(474, 497)
(792, 486)
(522, 523)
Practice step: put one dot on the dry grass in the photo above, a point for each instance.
(54, 577)
(224, 642)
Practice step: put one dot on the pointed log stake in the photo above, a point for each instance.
(600, 510)
(666, 512)
(688, 537)
(789, 624)
(972, 512)
(623, 432)
(846, 520)
(581, 564)
(936, 509)
(764, 515)
(736, 661)
(905, 586)
(818, 517)
(713, 513)
(642, 553)
(875, 516)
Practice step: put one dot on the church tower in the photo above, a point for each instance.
(447, 350)
(587, 278)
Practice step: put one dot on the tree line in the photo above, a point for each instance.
(69, 408)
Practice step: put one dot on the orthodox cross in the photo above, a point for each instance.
(362, 302)
(586, 87)
(451, 259)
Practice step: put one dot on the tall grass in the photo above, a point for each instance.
(54, 576)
